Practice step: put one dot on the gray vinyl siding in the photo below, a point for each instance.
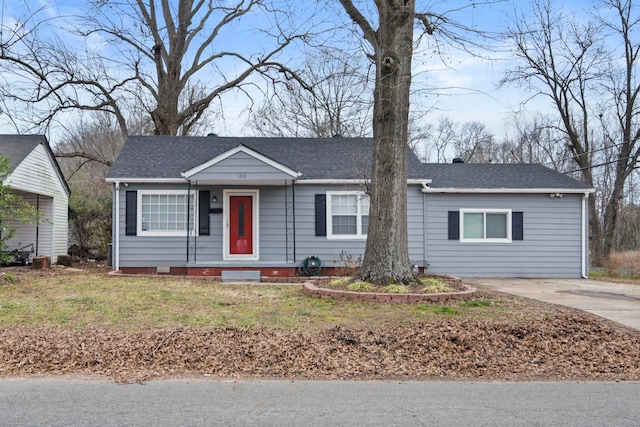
(273, 226)
(154, 251)
(276, 245)
(329, 250)
(240, 166)
(415, 224)
(551, 247)
(149, 251)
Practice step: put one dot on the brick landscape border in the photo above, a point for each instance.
(311, 288)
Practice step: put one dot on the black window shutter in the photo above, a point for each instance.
(454, 225)
(203, 213)
(321, 215)
(517, 226)
(131, 213)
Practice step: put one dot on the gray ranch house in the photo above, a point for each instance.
(37, 178)
(210, 205)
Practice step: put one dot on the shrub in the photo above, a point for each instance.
(361, 287)
(395, 289)
(338, 282)
(624, 263)
(349, 264)
(434, 285)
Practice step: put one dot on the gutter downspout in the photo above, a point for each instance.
(116, 243)
(293, 201)
(189, 217)
(38, 227)
(425, 227)
(584, 267)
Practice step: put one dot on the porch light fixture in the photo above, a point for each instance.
(556, 195)
(214, 199)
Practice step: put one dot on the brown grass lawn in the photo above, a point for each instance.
(80, 321)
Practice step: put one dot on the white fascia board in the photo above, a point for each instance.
(423, 182)
(509, 190)
(246, 150)
(148, 180)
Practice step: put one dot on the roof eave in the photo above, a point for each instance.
(338, 181)
(147, 180)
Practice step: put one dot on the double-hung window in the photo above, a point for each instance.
(166, 213)
(488, 225)
(347, 214)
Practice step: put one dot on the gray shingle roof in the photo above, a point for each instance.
(498, 176)
(315, 158)
(166, 157)
(17, 147)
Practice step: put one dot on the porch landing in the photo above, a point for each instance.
(240, 276)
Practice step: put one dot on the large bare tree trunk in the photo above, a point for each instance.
(386, 258)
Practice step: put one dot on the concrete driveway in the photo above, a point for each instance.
(614, 301)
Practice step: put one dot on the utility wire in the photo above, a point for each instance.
(600, 164)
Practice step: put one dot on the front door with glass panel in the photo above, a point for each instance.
(240, 227)
(241, 241)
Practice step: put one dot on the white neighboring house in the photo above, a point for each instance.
(36, 176)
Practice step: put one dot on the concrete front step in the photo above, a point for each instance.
(240, 276)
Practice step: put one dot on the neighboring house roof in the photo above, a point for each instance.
(17, 147)
(168, 157)
(314, 158)
(492, 176)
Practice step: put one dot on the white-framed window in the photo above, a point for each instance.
(485, 225)
(347, 215)
(164, 212)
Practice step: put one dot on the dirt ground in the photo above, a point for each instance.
(568, 345)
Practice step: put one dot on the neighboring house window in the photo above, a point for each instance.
(347, 214)
(164, 213)
(490, 225)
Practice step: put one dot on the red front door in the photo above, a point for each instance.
(240, 225)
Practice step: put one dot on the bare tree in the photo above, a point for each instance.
(587, 83)
(94, 142)
(85, 153)
(475, 143)
(388, 34)
(628, 230)
(470, 141)
(386, 258)
(536, 139)
(623, 86)
(335, 101)
(168, 57)
(434, 141)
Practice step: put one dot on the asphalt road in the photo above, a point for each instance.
(55, 402)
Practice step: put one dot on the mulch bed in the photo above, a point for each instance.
(564, 346)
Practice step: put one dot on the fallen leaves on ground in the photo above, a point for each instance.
(560, 347)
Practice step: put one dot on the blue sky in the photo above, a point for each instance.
(466, 88)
